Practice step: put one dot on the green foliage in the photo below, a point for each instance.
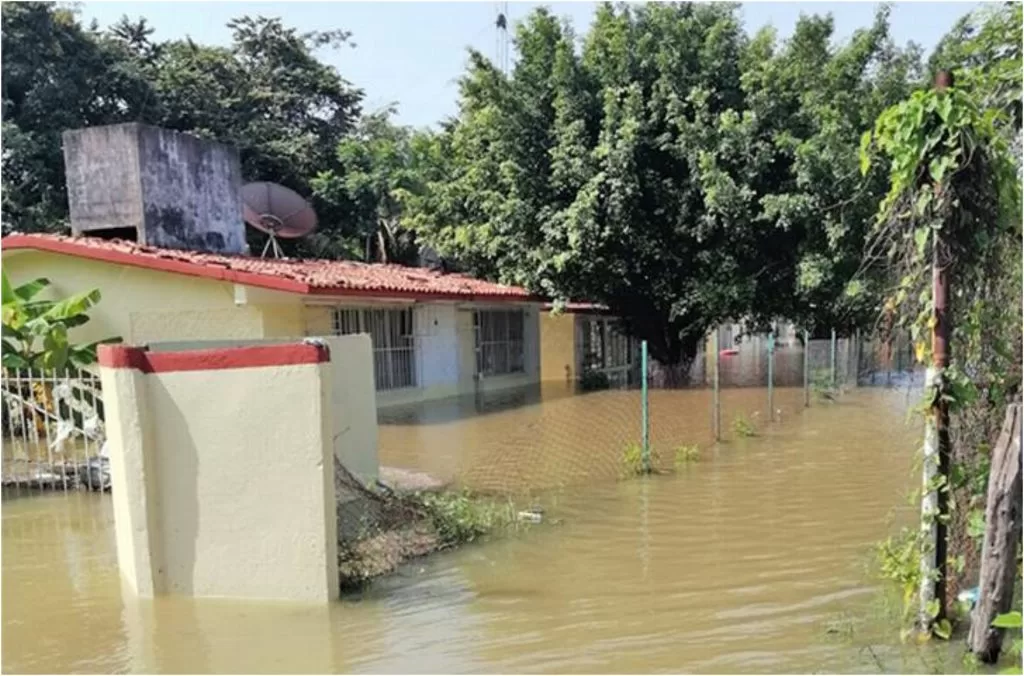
(672, 168)
(1011, 620)
(976, 524)
(633, 463)
(984, 52)
(899, 559)
(686, 454)
(954, 198)
(380, 170)
(35, 331)
(266, 93)
(742, 426)
(821, 383)
(462, 517)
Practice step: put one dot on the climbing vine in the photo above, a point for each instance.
(953, 202)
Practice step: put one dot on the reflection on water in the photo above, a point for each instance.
(733, 564)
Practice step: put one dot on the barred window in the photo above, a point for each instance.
(499, 342)
(394, 348)
(604, 345)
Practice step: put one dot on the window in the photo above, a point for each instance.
(604, 346)
(499, 342)
(394, 348)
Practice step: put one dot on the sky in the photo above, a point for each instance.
(412, 53)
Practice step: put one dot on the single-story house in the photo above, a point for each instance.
(434, 334)
(157, 226)
(585, 338)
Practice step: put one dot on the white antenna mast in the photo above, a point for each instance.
(501, 36)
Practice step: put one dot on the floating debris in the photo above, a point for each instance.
(968, 597)
(535, 515)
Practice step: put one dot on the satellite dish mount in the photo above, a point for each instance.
(278, 212)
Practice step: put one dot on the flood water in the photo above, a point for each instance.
(736, 563)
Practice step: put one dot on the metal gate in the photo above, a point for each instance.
(53, 432)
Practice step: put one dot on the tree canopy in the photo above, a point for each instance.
(672, 167)
(665, 163)
(267, 94)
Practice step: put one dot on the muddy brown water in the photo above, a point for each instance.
(740, 562)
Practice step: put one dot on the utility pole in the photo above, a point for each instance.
(935, 502)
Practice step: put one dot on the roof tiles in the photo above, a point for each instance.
(306, 276)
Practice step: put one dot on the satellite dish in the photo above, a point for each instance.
(277, 211)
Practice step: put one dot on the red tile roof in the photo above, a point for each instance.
(303, 276)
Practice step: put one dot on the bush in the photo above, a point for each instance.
(462, 517)
(742, 427)
(633, 460)
(686, 454)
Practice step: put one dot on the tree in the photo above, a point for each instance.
(673, 169)
(809, 103)
(35, 331)
(377, 175)
(57, 75)
(266, 93)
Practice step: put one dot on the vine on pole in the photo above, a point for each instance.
(942, 231)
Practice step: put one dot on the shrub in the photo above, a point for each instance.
(742, 427)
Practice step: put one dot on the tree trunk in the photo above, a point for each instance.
(1002, 534)
(668, 376)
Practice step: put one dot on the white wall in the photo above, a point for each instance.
(437, 354)
(446, 349)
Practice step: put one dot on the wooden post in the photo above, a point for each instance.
(1002, 534)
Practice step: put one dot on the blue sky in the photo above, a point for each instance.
(413, 53)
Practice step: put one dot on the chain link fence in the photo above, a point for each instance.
(592, 427)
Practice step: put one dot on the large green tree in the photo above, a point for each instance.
(266, 93)
(673, 168)
(379, 170)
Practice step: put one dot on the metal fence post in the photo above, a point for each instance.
(716, 404)
(856, 358)
(771, 376)
(644, 412)
(807, 368)
(832, 360)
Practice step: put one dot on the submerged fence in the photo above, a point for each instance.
(53, 432)
(600, 423)
(739, 385)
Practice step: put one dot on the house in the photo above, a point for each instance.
(434, 335)
(585, 338)
(157, 227)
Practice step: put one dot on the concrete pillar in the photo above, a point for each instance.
(132, 475)
(222, 471)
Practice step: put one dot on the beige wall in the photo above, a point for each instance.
(354, 411)
(354, 406)
(557, 347)
(223, 479)
(141, 305)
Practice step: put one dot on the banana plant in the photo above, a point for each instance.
(35, 331)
